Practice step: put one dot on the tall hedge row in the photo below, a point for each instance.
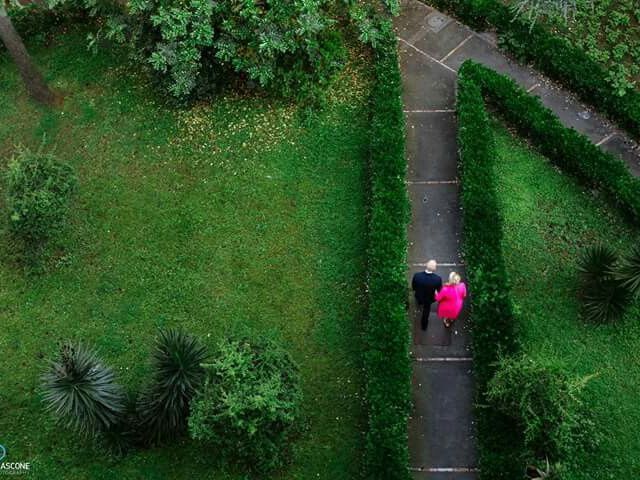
(387, 363)
(552, 54)
(491, 307)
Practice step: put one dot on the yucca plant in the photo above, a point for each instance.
(81, 391)
(628, 272)
(177, 373)
(604, 296)
(596, 262)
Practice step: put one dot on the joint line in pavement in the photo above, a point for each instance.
(456, 48)
(427, 55)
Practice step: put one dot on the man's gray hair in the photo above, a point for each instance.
(432, 265)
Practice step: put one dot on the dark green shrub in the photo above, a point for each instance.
(596, 261)
(81, 391)
(628, 271)
(176, 374)
(387, 334)
(37, 23)
(38, 189)
(604, 296)
(286, 47)
(605, 301)
(548, 405)
(249, 406)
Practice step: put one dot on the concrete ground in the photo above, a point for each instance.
(432, 47)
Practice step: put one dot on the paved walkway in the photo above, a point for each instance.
(432, 47)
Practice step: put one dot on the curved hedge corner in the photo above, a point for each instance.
(569, 150)
(500, 442)
(552, 54)
(387, 334)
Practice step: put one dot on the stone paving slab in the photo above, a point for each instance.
(482, 52)
(441, 43)
(425, 86)
(443, 476)
(431, 146)
(436, 225)
(625, 149)
(441, 421)
(412, 18)
(572, 113)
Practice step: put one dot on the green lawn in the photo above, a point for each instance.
(230, 217)
(548, 220)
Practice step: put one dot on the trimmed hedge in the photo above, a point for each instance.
(501, 445)
(491, 307)
(387, 334)
(552, 54)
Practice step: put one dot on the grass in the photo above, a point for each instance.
(548, 220)
(229, 217)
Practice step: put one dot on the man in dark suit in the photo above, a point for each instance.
(425, 285)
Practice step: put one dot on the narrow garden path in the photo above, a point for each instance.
(432, 47)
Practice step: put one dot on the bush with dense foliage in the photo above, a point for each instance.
(249, 407)
(547, 404)
(388, 369)
(176, 374)
(554, 55)
(82, 392)
(197, 46)
(38, 190)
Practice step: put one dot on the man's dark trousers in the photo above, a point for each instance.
(425, 284)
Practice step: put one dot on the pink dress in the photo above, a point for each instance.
(450, 300)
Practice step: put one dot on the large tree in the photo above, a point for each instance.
(31, 76)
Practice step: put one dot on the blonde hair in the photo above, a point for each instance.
(454, 278)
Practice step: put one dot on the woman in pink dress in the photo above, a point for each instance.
(451, 299)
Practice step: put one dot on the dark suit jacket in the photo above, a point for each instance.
(424, 286)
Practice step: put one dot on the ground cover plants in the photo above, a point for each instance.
(239, 216)
(608, 31)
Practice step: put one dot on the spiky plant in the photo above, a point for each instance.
(596, 262)
(604, 297)
(605, 301)
(81, 391)
(628, 271)
(533, 472)
(533, 9)
(163, 408)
